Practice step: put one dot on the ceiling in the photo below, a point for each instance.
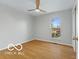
(47, 5)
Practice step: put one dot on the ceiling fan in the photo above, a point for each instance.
(37, 9)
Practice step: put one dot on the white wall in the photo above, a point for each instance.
(43, 30)
(15, 27)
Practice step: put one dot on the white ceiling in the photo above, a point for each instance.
(47, 5)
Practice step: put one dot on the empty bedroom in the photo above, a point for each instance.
(38, 29)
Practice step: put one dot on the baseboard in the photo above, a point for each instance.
(40, 40)
(69, 45)
(16, 44)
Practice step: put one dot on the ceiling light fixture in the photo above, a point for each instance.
(37, 10)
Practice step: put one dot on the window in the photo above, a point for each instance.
(55, 26)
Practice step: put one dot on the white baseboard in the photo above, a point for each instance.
(53, 42)
(40, 40)
(1, 49)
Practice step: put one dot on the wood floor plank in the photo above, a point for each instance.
(41, 50)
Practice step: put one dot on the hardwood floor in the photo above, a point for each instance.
(40, 50)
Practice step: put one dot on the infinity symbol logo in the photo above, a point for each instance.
(14, 46)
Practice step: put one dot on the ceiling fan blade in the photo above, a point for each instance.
(31, 10)
(42, 10)
(37, 4)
